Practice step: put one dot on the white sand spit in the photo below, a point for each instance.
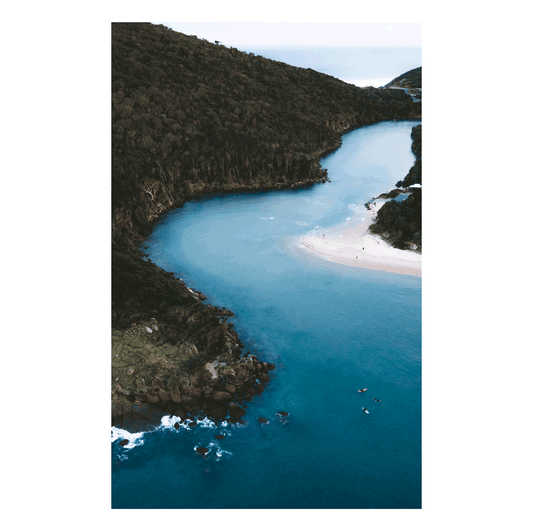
(359, 248)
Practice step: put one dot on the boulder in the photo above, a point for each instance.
(230, 389)
(221, 396)
(186, 390)
(186, 399)
(263, 420)
(263, 377)
(152, 397)
(177, 425)
(124, 442)
(179, 412)
(163, 395)
(218, 412)
(219, 437)
(201, 450)
(175, 396)
(283, 413)
(235, 410)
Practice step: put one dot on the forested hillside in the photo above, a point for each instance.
(400, 223)
(190, 117)
(411, 79)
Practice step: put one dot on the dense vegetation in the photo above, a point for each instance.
(400, 223)
(411, 79)
(190, 117)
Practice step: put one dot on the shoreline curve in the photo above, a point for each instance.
(357, 247)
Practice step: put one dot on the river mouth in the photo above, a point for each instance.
(329, 329)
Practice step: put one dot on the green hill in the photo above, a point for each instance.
(411, 79)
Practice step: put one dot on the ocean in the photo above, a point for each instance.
(329, 329)
(358, 65)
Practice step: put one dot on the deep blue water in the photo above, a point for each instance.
(330, 330)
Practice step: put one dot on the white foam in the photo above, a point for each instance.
(168, 421)
(135, 439)
(206, 423)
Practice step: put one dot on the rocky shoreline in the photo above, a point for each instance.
(217, 390)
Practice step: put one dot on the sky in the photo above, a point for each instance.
(303, 33)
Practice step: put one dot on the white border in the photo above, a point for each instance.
(431, 15)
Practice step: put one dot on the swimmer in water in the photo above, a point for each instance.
(365, 410)
(377, 399)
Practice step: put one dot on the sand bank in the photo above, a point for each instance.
(358, 247)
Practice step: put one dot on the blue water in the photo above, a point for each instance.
(359, 65)
(330, 330)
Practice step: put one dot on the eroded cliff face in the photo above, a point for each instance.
(191, 117)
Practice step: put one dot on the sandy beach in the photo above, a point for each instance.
(359, 248)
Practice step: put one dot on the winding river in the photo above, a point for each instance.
(330, 329)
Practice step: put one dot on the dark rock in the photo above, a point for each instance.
(283, 413)
(192, 409)
(152, 397)
(221, 396)
(230, 389)
(249, 383)
(219, 437)
(233, 420)
(178, 412)
(185, 390)
(177, 425)
(190, 400)
(201, 450)
(218, 412)
(163, 395)
(193, 424)
(263, 420)
(124, 442)
(235, 410)
(264, 377)
(271, 366)
(175, 396)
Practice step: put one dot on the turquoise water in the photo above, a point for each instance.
(330, 330)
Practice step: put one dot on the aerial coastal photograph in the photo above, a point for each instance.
(266, 198)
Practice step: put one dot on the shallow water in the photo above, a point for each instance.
(330, 330)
